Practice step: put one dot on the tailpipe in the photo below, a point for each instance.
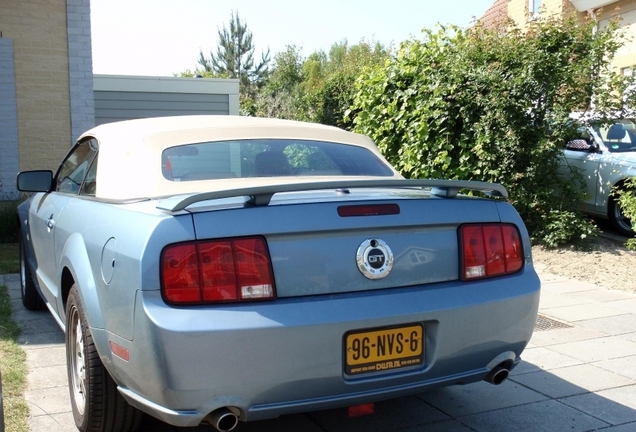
(222, 419)
(497, 375)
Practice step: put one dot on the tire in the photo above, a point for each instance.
(97, 404)
(619, 221)
(31, 298)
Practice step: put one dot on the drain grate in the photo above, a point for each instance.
(544, 323)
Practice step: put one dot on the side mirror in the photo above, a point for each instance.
(35, 181)
(579, 145)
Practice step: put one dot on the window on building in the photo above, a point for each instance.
(534, 8)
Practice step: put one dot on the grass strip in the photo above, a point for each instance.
(14, 369)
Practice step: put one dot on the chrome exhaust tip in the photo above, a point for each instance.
(222, 419)
(497, 375)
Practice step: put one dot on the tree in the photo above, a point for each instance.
(320, 88)
(280, 96)
(328, 86)
(234, 57)
(492, 105)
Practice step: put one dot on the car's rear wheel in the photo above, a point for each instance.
(97, 405)
(30, 296)
(620, 222)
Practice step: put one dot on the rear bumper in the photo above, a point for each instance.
(268, 359)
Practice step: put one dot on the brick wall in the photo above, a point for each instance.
(53, 76)
(38, 31)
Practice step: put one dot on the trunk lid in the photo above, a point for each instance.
(314, 250)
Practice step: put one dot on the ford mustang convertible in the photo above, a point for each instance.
(217, 269)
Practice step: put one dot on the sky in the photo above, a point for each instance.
(164, 37)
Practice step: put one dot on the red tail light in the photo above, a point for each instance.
(217, 271)
(490, 250)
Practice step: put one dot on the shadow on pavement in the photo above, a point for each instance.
(580, 378)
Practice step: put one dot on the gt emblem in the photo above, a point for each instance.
(374, 258)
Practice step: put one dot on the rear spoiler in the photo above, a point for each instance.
(261, 195)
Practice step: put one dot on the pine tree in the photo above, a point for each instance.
(234, 56)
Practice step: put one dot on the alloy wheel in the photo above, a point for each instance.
(78, 362)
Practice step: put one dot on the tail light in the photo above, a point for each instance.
(217, 271)
(490, 250)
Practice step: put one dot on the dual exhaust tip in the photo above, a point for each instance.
(225, 420)
(497, 375)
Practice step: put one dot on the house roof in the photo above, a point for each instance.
(495, 15)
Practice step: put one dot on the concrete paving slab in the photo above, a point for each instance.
(51, 338)
(443, 426)
(572, 380)
(582, 312)
(616, 325)
(625, 366)
(547, 416)
(562, 285)
(35, 410)
(44, 357)
(625, 305)
(52, 423)
(593, 350)
(615, 406)
(552, 300)
(536, 359)
(631, 427)
(291, 423)
(389, 415)
(53, 400)
(630, 337)
(19, 313)
(601, 295)
(36, 326)
(549, 278)
(47, 376)
(559, 336)
(459, 401)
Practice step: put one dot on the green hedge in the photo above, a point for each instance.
(494, 105)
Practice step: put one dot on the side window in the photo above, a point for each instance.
(90, 181)
(74, 168)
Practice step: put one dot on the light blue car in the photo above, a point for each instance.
(215, 269)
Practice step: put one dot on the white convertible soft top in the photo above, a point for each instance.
(130, 152)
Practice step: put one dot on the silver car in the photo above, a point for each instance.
(215, 269)
(606, 156)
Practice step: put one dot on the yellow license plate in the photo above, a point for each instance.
(384, 349)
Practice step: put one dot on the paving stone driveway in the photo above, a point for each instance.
(578, 374)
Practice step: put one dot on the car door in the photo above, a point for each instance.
(48, 237)
(583, 153)
(588, 163)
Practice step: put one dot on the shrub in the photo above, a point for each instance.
(627, 200)
(8, 221)
(492, 105)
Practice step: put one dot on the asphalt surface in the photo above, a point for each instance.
(578, 374)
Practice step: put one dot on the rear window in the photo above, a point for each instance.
(269, 158)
